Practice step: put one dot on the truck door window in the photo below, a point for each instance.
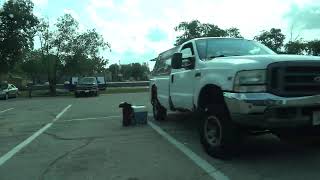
(162, 67)
(167, 68)
(187, 52)
(156, 68)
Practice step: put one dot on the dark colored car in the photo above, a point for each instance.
(87, 86)
(102, 83)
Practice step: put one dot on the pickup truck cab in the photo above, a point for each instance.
(87, 85)
(237, 85)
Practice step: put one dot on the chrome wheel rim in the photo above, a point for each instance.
(212, 130)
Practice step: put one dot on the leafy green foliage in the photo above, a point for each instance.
(313, 47)
(69, 52)
(196, 29)
(295, 47)
(115, 70)
(133, 71)
(273, 39)
(17, 30)
(84, 58)
(233, 32)
(33, 65)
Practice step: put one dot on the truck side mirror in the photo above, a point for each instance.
(176, 61)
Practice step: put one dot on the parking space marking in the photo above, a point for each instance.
(93, 118)
(6, 110)
(16, 149)
(203, 164)
(61, 113)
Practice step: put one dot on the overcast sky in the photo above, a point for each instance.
(140, 29)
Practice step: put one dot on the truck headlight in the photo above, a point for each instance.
(250, 81)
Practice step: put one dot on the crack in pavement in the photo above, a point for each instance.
(55, 161)
(63, 156)
(74, 139)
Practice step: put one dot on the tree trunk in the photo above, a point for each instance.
(52, 87)
(52, 75)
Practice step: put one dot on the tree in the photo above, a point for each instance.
(54, 45)
(211, 30)
(137, 71)
(295, 47)
(190, 30)
(32, 66)
(233, 32)
(17, 30)
(146, 72)
(114, 69)
(196, 29)
(84, 57)
(66, 51)
(313, 47)
(273, 39)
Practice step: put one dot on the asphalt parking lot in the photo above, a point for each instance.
(82, 138)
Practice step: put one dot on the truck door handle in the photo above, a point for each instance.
(198, 74)
(172, 78)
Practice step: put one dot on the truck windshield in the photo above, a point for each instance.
(212, 48)
(87, 80)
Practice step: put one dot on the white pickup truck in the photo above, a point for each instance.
(235, 86)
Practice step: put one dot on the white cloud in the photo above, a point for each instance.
(40, 3)
(126, 24)
(102, 4)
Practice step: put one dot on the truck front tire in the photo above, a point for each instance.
(217, 132)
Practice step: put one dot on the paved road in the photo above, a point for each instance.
(86, 141)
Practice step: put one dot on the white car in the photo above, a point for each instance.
(235, 86)
(7, 91)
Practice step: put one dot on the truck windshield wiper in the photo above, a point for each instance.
(222, 55)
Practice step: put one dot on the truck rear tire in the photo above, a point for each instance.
(217, 133)
(159, 112)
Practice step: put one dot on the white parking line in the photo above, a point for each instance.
(61, 113)
(203, 164)
(16, 149)
(92, 118)
(6, 110)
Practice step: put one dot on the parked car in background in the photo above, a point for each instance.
(87, 86)
(7, 91)
(102, 84)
